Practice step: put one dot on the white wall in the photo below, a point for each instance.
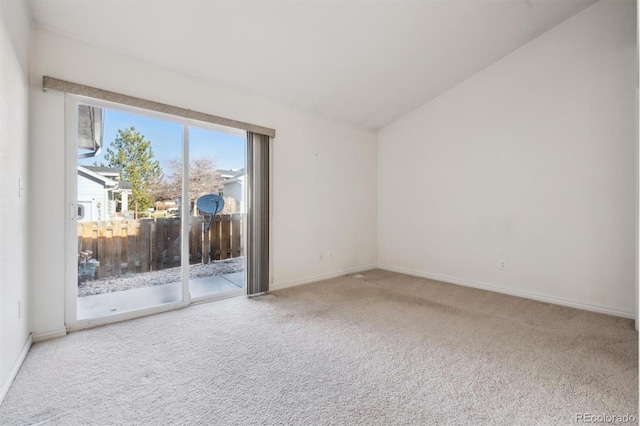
(14, 59)
(532, 160)
(324, 179)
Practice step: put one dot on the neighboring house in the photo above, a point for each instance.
(228, 174)
(98, 189)
(233, 185)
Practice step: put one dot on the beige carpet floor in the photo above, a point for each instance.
(382, 349)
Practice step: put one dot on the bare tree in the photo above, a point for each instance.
(230, 206)
(162, 190)
(203, 179)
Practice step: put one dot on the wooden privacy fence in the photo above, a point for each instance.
(132, 246)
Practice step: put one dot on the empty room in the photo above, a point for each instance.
(319, 212)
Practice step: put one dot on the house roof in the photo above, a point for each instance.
(90, 129)
(104, 170)
(230, 173)
(233, 180)
(97, 176)
(102, 174)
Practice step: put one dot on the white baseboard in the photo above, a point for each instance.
(39, 336)
(519, 293)
(13, 372)
(320, 278)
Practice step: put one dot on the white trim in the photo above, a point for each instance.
(70, 227)
(217, 296)
(271, 204)
(125, 316)
(39, 336)
(13, 371)
(185, 216)
(104, 179)
(244, 211)
(218, 128)
(321, 277)
(511, 292)
(637, 182)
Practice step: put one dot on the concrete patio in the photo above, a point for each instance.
(101, 305)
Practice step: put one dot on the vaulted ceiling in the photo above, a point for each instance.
(363, 63)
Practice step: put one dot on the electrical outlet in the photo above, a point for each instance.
(20, 188)
(502, 264)
(321, 257)
(329, 254)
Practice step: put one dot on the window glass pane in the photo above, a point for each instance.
(216, 192)
(127, 227)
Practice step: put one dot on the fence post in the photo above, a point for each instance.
(215, 238)
(131, 245)
(225, 238)
(236, 224)
(195, 240)
(117, 237)
(169, 242)
(143, 244)
(160, 238)
(111, 249)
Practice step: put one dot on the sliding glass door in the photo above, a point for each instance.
(217, 203)
(157, 211)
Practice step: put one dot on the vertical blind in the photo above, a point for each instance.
(258, 213)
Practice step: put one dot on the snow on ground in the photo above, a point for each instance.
(165, 276)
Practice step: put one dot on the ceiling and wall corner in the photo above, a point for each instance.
(363, 64)
(522, 179)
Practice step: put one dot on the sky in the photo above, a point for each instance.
(226, 151)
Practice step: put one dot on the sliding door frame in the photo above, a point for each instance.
(70, 199)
